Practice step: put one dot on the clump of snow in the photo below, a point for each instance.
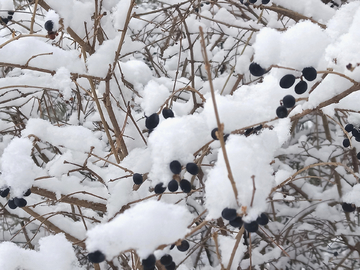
(55, 252)
(143, 227)
(17, 167)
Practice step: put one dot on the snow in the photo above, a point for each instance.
(143, 227)
(54, 252)
(72, 156)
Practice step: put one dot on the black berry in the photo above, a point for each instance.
(249, 131)
(256, 70)
(192, 168)
(289, 101)
(11, 12)
(213, 134)
(175, 167)
(349, 127)
(4, 192)
(96, 257)
(309, 73)
(281, 112)
(301, 87)
(167, 113)
(264, 2)
(159, 188)
(358, 155)
(355, 132)
(138, 178)
(49, 25)
(185, 185)
(173, 185)
(149, 261)
(346, 143)
(263, 219)
(348, 207)
(251, 227)
(4, 20)
(152, 121)
(237, 222)
(184, 246)
(357, 138)
(12, 204)
(287, 81)
(166, 260)
(27, 193)
(20, 202)
(229, 213)
(252, 1)
(171, 266)
(9, 18)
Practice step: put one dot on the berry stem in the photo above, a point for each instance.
(219, 124)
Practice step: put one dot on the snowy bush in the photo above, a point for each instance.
(179, 135)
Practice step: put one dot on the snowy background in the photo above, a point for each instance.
(75, 101)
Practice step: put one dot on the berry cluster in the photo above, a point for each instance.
(175, 167)
(309, 73)
(8, 18)
(355, 131)
(236, 221)
(15, 202)
(49, 26)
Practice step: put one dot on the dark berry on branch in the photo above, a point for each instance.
(175, 167)
(149, 261)
(96, 257)
(358, 155)
(252, 1)
(346, 143)
(237, 222)
(287, 81)
(357, 138)
(192, 168)
(166, 259)
(167, 113)
(27, 193)
(138, 178)
(185, 185)
(355, 132)
(229, 213)
(184, 246)
(49, 25)
(251, 227)
(20, 202)
(263, 219)
(4, 192)
(264, 2)
(4, 20)
(348, 207)
(256, 69)
(213, 134)
(289, 101)
(301, 87)
(349, 127)
(152, 121)
(159, 188)
(259, 127)
(309, 73)
(173, 185)
(9, 18)
(171, 266)
(281, 112)
(249, 131)
(11, 13)
(12, 204)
